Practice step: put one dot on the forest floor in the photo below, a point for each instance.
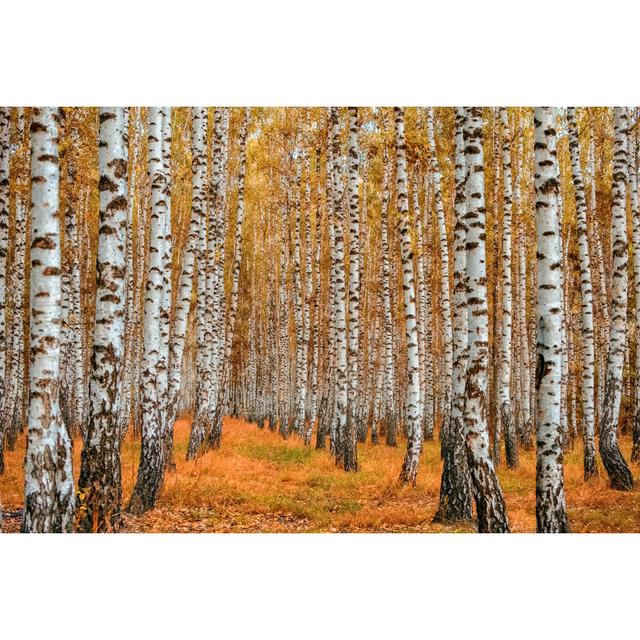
(258, 482)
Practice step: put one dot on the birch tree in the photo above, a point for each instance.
(412, 399)
(421, 284)
(350, 434)
(185, 285)
(150, 471)
(490, 507)
(208, 305)
(445, 296)
(73, 380)
(237, 259)
(5, 158)
(100, 483)
(614, 463)
(315, 299)
(300, 351)
(551, 514)
(216, 299)
(455, 486)
(128, 379)
(588, 346)
(635, 219)
(13, 410)
(389, 365)
(162, 380)
(49, 501)
(341, 391)
(504, 388)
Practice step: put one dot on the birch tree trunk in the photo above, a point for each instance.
(162, 380)
(216, 299)
(523, 344)
(490, 507)
(49, 501)
(588, 346)
(237, 259)
(615, 464)
(389, 365)
(551, 513)
(75, 394)
(424, 328)
(445, 297)
(315, 298)
(208, 307)
(185, 285)
(138, 310)
(507, 422)
(409, 470)
(100, 483)
(455, 486)
(127, 382)
(13, 411)
(635, 218)
(73, 380)
(151, 467)
(300, 351)
(349, 439)
(341, 391)
(283, 327)
(5, 157)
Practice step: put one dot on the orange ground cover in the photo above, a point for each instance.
(258, 482)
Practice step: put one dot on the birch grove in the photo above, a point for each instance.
(412, 296)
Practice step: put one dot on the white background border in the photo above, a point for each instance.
(293, 53)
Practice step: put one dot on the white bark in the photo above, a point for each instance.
(152, 453)
(389, 365)
(487, 491)
(13, 411)
(617, 469)
(635, 218)
(412, 399)
(504, 387)
(551, 513)
(185, 284)
(588, 346)
(445, 296)
(100, 484)
(237, 256)
(455, 487)
(162, 380)
(349, 438)
(341, 397)
(49, 500)
(5, 157)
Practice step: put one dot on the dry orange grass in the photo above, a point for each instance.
(258, 482)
